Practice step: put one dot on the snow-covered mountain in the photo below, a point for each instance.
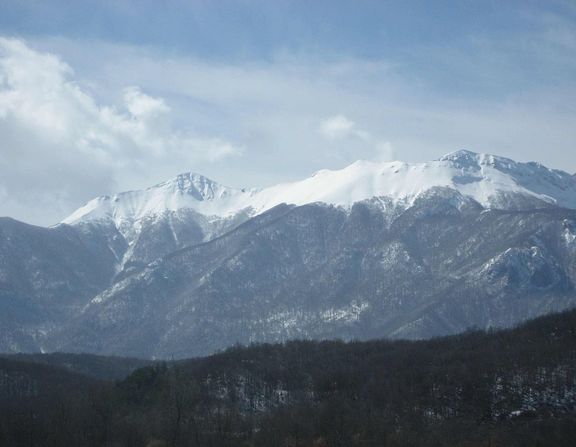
(488, 179)
(395, 249)
(186, 191)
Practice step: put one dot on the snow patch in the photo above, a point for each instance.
(348, 314)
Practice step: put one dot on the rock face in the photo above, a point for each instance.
(190, 267)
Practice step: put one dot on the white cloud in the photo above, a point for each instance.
(59, 146)
(337, 127)
(143, 106)
(340, 127)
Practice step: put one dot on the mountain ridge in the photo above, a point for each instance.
(468, 240)
(481, 176)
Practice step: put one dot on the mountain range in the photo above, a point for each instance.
(189, 266)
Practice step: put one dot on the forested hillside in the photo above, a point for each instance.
(94, 366)
(507, 388)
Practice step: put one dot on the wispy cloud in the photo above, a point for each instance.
(339, 127)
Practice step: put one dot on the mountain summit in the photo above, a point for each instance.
(188, 190)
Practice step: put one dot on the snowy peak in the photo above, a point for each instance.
(530, 179)
(189, 190)
(468, 160)
(462, 158)
(196, 186)
(492, 181)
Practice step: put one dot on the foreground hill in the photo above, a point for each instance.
(507, 388)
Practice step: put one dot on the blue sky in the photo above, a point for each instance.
(100, 96)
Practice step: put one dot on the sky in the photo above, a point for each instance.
(103, 96)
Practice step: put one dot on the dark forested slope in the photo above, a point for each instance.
(93, 366)
(508, 388)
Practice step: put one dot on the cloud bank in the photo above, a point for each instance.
(59, 145)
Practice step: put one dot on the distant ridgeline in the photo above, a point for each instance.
(506, 388)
